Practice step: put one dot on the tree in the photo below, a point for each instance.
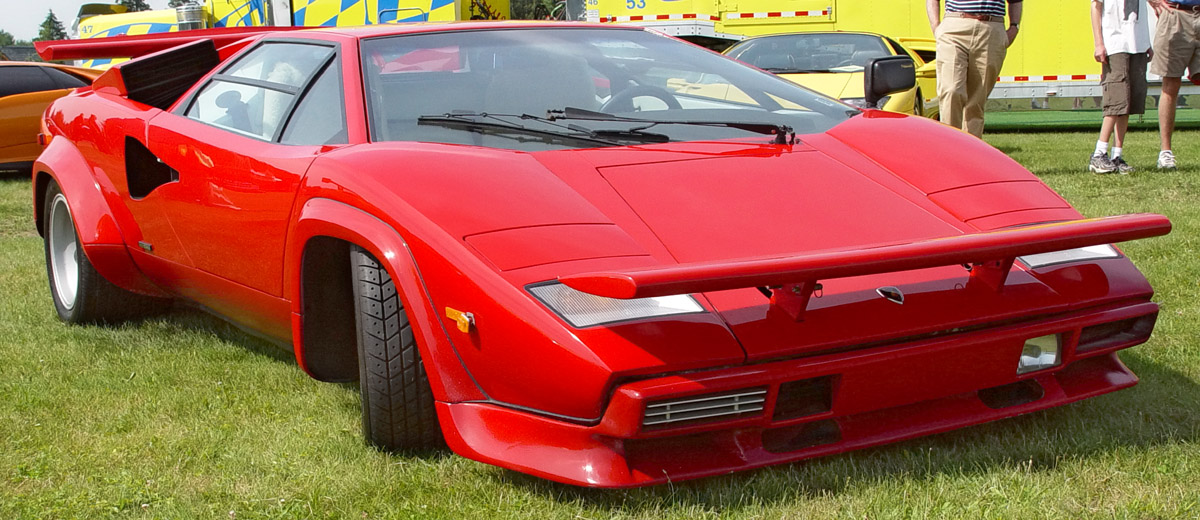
(51, 29)
(6, 38)
(135, 5)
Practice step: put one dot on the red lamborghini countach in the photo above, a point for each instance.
(594, 254)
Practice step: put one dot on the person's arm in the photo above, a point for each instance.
(1014, 20)
(1101, 53)
(933, 11)
(1158, 5)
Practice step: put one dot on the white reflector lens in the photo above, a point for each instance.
(1040, 352)
(581, 309)
(1070, 255)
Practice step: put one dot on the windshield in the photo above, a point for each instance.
(472, 87)
(811, 52)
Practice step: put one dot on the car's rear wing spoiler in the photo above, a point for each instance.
(792, 279)
(143, 44)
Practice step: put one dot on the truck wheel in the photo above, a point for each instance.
(397, 403)
(82, 295)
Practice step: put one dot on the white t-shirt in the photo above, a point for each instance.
(1125, 33)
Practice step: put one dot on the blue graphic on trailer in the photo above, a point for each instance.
(130, 29)
(390, 14)
(334, 13)
(244, 15)
(134, 28)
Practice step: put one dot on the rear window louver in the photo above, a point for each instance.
(162, 78)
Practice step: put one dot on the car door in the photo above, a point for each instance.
(240, 146)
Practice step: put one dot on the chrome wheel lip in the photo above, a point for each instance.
(64, 250)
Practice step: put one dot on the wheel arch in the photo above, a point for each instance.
(322, 308)
(99, 234)
(64, 164)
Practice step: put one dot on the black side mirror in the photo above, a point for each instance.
(888, 75)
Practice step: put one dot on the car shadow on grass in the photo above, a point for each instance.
(1163, 408)
(16, 175)
(192, 319)
(1009, 149)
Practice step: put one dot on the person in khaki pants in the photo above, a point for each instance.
(1176, 48)
(971, 43)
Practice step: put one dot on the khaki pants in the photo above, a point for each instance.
(969, 56)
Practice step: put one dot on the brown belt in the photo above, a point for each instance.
(973, 16)
(1184, 7)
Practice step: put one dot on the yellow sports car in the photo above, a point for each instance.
(832, 63)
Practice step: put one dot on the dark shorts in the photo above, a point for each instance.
(1124, 84)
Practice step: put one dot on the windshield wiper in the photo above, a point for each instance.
(500, 121)
(479, 121)
(783, 133)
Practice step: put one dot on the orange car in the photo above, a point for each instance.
(26, 89)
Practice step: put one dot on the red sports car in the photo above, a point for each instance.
(593, 254)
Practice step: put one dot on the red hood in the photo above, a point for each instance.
(738, 207)
(540, 216)
(743, 206)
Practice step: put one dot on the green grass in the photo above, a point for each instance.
(186, 417)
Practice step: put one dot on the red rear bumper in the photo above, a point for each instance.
(877, 395)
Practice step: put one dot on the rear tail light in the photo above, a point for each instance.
(699, 409)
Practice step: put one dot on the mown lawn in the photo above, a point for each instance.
(186, 417)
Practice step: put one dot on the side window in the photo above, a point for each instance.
(320, 118)
(22, 79)
(65, 80)
(254, 94)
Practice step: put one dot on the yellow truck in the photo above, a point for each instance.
(365, 12)
(101, 20)
(1051, 57)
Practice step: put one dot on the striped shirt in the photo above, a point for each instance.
(992, 7)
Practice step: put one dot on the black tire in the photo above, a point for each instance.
(918, 105)
(80, 294)
(397, 403)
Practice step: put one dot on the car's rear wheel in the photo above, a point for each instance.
(80, 293)
(918, 103)
(397, 403)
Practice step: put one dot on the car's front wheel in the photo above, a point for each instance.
(397, 403)
(80, 293)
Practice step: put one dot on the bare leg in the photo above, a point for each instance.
(1122, 124)
(1106, 128)
(1166, 110)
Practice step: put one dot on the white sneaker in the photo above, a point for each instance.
(1166, 160)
